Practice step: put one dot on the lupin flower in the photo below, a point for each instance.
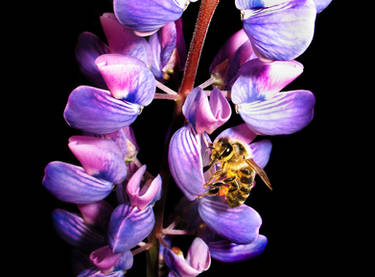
(131, 86)
(102, 167)
(198, 259)
(88, 234)
(164, 50)
(266, 110)
(148, 16)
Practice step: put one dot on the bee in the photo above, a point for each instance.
(235, 171)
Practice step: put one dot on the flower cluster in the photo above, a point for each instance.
(145, 47)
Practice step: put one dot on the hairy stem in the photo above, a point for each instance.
(205, 14)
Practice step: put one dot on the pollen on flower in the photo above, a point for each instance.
(177, 251)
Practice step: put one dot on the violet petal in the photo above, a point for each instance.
(185, 162)
(257, 4)
(126, 261)
(99, 157)
(122, 40)
(198, 255)
(226, 251)
(129, 226)
(72, 184)
(72, 228)
(258, 80)
(97, 213)
(321, 5)
(104, 259)
(94, 272)
(285, 113)
(197, 261)
(148, 15)
(239, 225)
(261, 151)
(88, 48)
(96, 111)
(142, 197)
(127, 78)
(241, 132)
(283, 31)
(206, 115)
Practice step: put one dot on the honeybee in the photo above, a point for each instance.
(234, 177)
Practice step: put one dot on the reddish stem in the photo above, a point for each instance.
(205, 14)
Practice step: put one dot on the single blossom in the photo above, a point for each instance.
(232, 55)
(206, 115)
(278, 29)
(198, 259)
(131, 86)
(239, 225)
(266, 110)
(161, 54)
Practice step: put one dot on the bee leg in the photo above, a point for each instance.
(214, 176)
(211, 192)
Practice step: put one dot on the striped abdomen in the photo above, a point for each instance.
(239, 188)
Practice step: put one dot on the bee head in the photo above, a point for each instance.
(223, 149)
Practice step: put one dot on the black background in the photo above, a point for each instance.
(308, 218)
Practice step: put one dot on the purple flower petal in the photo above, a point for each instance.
(226, 251)
(125, 141)
(197, 261)
(206, 115)
(72, 184)
(99, 157)
(321, 4)
(261, 151)
(96, 111)
(88, 48)
(72, 228)
(258, 80)
(257, 4)
(241, 132)
(228, 50)
(148, 15)
(97, 213)
(281, 32)
(94, 272)
(142, 197)
(129, 226)
(198, 255)
(239, 225)
(127, 78)
(122, 40)
(104, 259)
(185, 162)
(285, 113)
(125, 262)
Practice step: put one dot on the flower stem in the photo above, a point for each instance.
(205, 14)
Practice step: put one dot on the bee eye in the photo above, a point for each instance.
(228, 149)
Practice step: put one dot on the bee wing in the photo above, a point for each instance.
(260, 172)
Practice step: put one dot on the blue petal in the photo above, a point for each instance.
(321, 4)
(71, 228)
(225, 251)
(185, 162)
(96, 111)
(281, 32)
(94, 272)
(239, 225)
(261, 151)
(72, 184)
(129, 226)
(257, 4)
(285, 113)
(147, 15)
(89, 47)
